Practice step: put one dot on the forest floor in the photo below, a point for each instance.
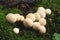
(53, 23)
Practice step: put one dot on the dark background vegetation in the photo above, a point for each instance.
(53, 23)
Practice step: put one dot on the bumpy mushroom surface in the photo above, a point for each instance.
(11, 18)
(42, 14)
(17, 16)
(42, 21)
(42, 29)
(31, 16)
(41, 9)
(36, 25)
(37, 16)
(28, 22)
(48, 11)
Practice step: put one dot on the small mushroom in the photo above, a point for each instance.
(36, 25)
(42, 21)
(17, 16)
(42, 29)
(48, 11)
(21, 18)
(28, 22)
(11, 18)
(31, 16)
(42, 14)
(41, 9)
(16, 30)
(37, 16)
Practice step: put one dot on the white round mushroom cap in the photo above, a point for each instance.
(22, 18)
(42, 29)
(11, 18)
(42, 14)
(28, 22)
(48, 11)
(36, 25)
(37, 16)
(16, 30)
(17, 16)
(42, 21)
(31, 16)
(41, 9)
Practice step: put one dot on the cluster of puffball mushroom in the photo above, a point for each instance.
(35, 20)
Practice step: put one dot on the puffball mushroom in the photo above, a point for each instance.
(16, 30)
(17, 16)
(42, 29)
(48, 11)
(42, 14)
(36, 25)
(21, 18)
(42, 21)
(28, 22)
(41, 9)
(31, 16)
(11, 18)
(37, 16)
